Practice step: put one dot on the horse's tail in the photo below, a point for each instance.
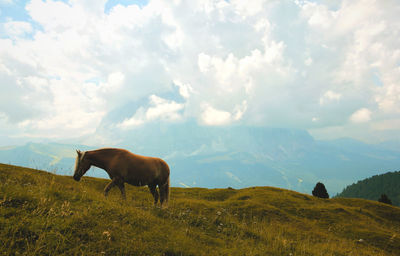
(164, 189)
(164, 193)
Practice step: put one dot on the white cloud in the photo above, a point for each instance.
(185, 90)
(114, 82)
(204, 62)
(248, 8)
(361, 116)
(215, 117)
(160, 109)
(308, 61)
(239, 111)
(163, 109)
(212, 116)
(230, 61)
(56, 16)
(329, 96)
(388, 98)
(318, 15)
(135, 120)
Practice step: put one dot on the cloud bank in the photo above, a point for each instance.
(332, 68)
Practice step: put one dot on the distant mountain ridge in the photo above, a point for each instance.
(372, 188)
(237, 157)
(53, 157)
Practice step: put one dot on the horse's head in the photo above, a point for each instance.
(81, 165)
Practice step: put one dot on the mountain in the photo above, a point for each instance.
(237, 157)
(393, 145)
(372, 188)
(46, 214)
(52, 157)
(288, 158)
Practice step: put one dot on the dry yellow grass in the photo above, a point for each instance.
(46, 214)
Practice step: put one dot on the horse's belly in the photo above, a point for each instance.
(137, 183)
(141, 174)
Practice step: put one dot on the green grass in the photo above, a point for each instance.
(47, 214)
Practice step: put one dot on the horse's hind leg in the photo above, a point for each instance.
(108, 187)
(121, 187)
(163, 196)
(154, 192)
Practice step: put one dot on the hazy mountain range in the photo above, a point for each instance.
(238, 157)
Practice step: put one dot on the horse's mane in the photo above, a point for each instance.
(79, 159)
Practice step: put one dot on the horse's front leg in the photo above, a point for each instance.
(109, 186)
(154, 192)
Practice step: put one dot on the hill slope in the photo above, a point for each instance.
(46, 214)
(372, 188)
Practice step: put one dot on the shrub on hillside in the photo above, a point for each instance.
(320, 191)
(385, 199)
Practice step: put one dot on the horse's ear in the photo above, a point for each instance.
(78, 151)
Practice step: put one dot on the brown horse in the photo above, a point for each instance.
(123, 166)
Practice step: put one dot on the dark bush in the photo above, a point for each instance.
(320, 191)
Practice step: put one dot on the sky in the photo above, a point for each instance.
(68, 67)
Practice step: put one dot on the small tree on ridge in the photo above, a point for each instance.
(320, 191)
(385, 199)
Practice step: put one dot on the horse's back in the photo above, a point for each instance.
(137, 169)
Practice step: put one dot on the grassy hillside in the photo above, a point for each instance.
(372, 188)
(46, 214)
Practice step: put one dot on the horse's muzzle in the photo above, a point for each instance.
(77, 178)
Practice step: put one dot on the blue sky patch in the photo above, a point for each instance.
(111, 3)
